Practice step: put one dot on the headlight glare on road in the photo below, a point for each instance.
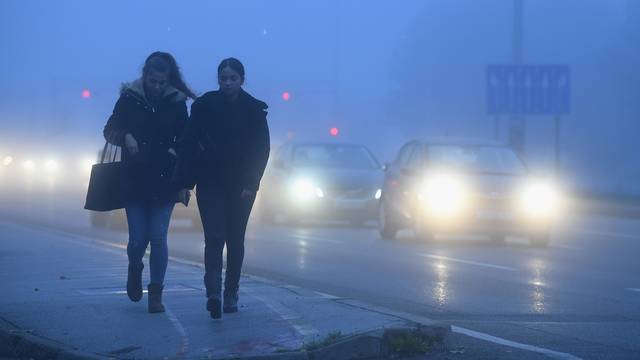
(444, 195)
(304, 190)
(540, 199)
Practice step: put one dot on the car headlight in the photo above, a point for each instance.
(29, 165)
(305, 190)
(444, 195)
(51, 166)
(540, 199)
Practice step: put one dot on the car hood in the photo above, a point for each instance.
(341, 179)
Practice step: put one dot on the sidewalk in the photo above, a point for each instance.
(63, 297)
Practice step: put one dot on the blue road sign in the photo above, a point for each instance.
(528, 89)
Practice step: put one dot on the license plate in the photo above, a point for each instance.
(350, 204)
(493, 215)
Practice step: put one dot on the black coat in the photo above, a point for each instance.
(225, 141)
(156, 127)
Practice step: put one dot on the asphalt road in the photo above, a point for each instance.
(579, 296)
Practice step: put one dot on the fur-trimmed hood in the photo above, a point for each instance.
(136, 88)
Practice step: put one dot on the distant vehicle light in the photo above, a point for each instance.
(304, 190)
(51, 166)
(540, 199)
(378, 194)
(7, 160)
(29, 165)
(86, 94)
(334, 131)
(286, 96)
(444, 195)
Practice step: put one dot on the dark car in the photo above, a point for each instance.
(446, 186)
(335, 181)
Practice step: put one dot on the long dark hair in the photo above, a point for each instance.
(166, 63)
(234, 64)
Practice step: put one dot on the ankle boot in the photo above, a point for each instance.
(230, 303)
(134, 282)
(213, 305)
(155, 298)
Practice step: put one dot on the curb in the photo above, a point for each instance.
(21, 344)
(374, 344)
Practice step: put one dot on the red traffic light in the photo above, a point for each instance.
(286, 96)
(334, 131)
(86, 94)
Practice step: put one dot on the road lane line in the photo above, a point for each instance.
(469, 262)
(513, 344)
(633, 289)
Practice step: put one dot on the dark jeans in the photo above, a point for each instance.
(224, 217)
(149, 223)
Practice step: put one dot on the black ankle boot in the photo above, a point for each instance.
(213, 305)
(155, 298)
(134, 282)
(230, 303)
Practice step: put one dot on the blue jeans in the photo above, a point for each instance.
(149, 223)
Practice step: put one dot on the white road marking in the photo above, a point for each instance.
(469, 262)
(633, 289)
(513, 344)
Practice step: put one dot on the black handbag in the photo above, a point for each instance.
(105, 190)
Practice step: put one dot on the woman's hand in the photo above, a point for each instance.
(131, 144)
(246, 194)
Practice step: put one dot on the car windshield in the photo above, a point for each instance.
(484, 159)
(334, 156)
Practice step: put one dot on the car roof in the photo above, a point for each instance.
(321, 143)
(461, 141)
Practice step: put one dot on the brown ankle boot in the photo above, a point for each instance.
(155, 298)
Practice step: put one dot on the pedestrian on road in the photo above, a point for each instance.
(148, 118)
(224, 152)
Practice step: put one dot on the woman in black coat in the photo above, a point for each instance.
(149, 116)
(224, 151)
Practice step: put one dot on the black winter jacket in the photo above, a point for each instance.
(225, 141)
(156, 127)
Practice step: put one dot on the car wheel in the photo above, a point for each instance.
(99, 219)
(540, 240)
(387, 226)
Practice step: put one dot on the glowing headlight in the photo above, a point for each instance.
(305, 190)
(51, 166)
(29, 165)
(378, 194)
(540, 199)
(444, 195)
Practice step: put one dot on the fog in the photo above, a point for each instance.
(383, 72)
